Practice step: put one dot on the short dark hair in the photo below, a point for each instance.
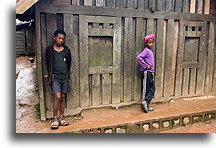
(59, 32)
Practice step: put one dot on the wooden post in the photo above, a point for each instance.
(181, 40)
(160, 45)
(138, 49)
(39, 66)
(128, 60)
(210, 59)
(168, 59)
(84, 64)
(116, 82)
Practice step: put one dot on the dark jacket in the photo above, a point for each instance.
(49, 60)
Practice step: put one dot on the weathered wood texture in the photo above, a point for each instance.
(25, 41)
(104, 43)
(189, 6)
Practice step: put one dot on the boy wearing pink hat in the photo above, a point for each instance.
(146, 61)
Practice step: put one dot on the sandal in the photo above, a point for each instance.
(55, 125)
(63, 123)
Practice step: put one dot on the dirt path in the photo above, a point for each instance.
(27, 98)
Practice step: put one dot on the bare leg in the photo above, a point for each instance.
(56, 102)
(62, 106)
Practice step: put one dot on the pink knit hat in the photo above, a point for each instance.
(146, 38)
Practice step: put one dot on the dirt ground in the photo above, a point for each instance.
(27, 120)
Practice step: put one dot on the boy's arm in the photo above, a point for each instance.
(140, 59)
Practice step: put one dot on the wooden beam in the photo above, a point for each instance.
(83, 10)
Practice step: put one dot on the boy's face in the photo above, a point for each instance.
(150, 43)
(59, 39)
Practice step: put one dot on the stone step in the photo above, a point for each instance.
(131, 119)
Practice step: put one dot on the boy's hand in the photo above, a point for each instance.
(149, 67)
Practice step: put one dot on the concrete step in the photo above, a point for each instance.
(131, 119)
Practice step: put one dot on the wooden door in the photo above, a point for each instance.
(190, 74)
(100, 57)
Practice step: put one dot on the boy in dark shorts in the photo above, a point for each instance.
(58, 62)
(146, 61)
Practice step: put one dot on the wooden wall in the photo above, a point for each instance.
(25, 42)
(105, 37)
(189, 6)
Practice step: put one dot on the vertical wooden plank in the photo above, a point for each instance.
(47, 91)
(81, 2)
(141, 5)
(178, 6)
(186, 6)
(100, 3)
(213, 89)
(146, 4)
(174, 56)
(133, 58)
(75, 2)
(206, 6)
(168, 59)
(39, 64)
(128, 60)
(200, 6)
(159, 61)
(75, 62)
(84, 84)
(135, 4)
(96, 91)
(152, 5)
(121, 3)
(88, 2)
(192, 6)
(185, 88)
(130, 4)
(150, 26)
(139, 48)
(116, 82)
(51, 20)
(181, 40)
(59, 18)
(110, 3)
(106, 89)
(210, 59)
(192, 81)
(201, 62)
(68, 27)
(160, 5)
(168, 5)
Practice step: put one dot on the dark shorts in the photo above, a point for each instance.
(60, 87)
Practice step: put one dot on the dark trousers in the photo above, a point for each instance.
(148, 87)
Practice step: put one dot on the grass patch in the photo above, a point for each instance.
(37, 107)
(126, 106)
